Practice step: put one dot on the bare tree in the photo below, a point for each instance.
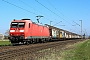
(7, 33)
(89, 37)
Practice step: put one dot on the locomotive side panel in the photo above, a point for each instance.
(46, 32)
(38, 31)
(34, 30)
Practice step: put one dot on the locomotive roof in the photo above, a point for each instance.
(21, 20)
(26, 19)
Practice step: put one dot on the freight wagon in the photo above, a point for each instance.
(60, 34)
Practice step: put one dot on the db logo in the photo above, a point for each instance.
(16, 30)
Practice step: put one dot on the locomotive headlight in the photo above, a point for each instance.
(12, 30)
(21, 30)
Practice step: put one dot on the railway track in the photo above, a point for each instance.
(30, 49)
(7, 48)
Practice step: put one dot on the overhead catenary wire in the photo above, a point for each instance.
(19, 7)
(55, 8)
(47, 8)
(23, 8)
(29, 5)
(52, 11)
(50, 4)
(59, 11)
(76, 23)
(34, 9)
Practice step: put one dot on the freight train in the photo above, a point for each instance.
(26, 31)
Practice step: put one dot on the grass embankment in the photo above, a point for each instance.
(5, 42)
(78, 51)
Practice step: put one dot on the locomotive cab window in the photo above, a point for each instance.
(17, 24)
(14, 24)
(21, 24)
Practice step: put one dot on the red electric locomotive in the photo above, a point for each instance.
(26, 31)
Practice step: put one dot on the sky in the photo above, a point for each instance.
(64, 14)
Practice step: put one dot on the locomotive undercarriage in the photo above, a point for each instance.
(36, 40)
(16, 39)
